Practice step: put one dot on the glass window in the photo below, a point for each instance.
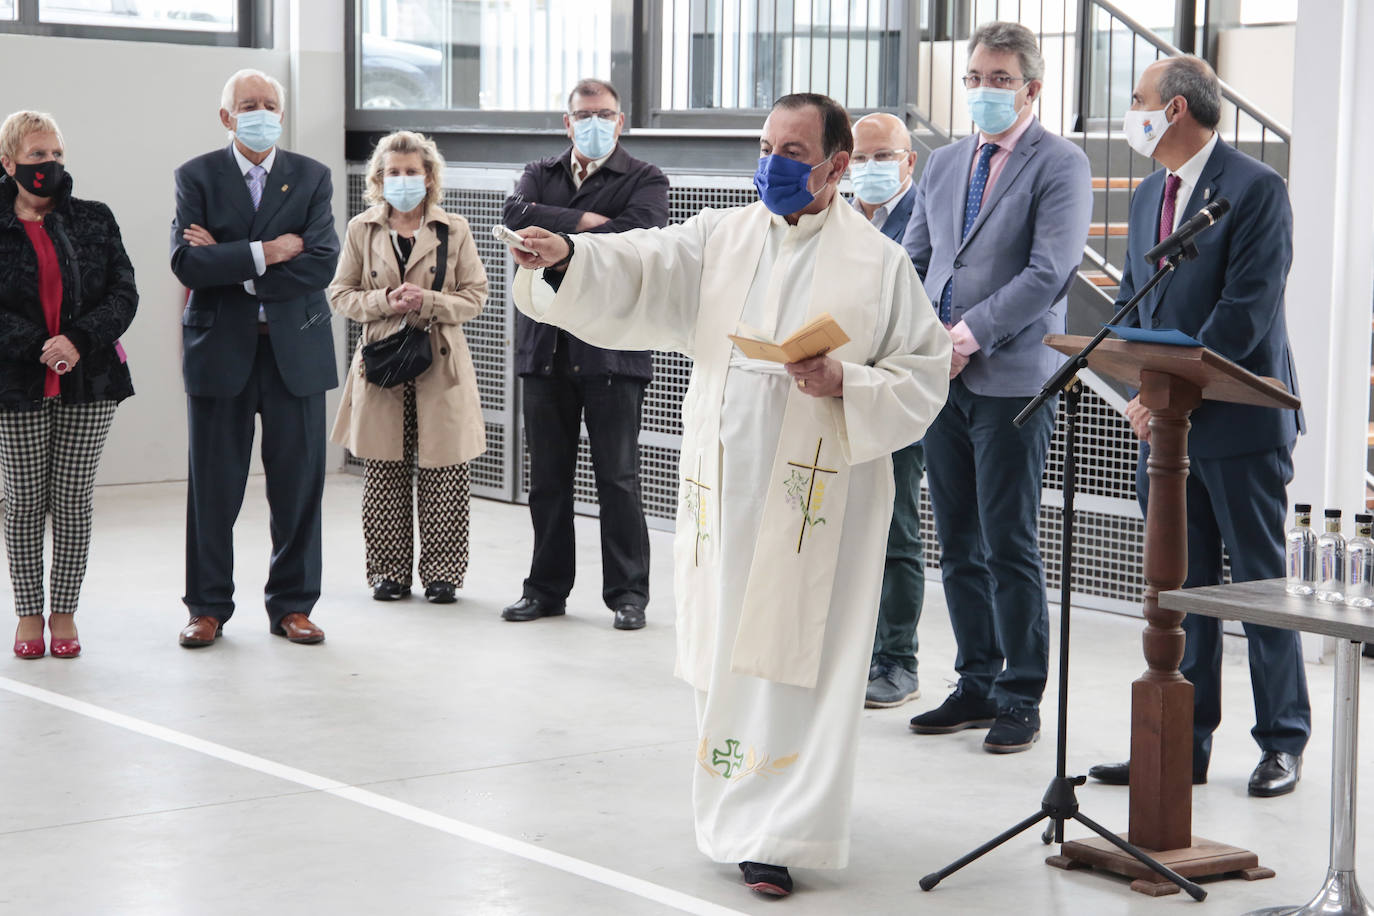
(6, 9)
(488, 55)
(746, 53)
(191, 15)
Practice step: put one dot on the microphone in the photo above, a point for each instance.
(1183, 236)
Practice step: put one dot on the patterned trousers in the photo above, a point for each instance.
(442, 498)
(49, 458)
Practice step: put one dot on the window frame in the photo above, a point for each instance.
(254, 28)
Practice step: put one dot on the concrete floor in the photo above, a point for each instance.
(439, 760)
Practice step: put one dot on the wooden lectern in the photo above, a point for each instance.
(1172, 382)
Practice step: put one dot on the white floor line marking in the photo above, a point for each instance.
(573, 866)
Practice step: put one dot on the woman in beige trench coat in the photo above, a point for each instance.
(425, 430)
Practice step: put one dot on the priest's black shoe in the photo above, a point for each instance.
(629, 617)
(388, 590)
(441, 593)
(1119, 774)
(959, 711)
(1277, 774)
(532, 609)
(767, 879)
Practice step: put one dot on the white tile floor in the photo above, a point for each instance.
(439, 760)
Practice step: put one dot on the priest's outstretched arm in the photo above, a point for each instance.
(890, 401)
(635, 290)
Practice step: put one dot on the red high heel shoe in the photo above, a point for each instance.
(66, 648)
(30, 648)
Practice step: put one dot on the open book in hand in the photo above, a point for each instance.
(813, 339)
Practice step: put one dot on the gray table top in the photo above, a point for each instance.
(1266, 602)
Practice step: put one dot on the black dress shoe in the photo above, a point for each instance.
(1119, 774)
(629, 617)
(389, 590)
(958, 712)
(1277, 774)
(767, 879)
(441, 592)
(532, 609)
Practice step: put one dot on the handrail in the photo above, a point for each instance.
(1234, 97)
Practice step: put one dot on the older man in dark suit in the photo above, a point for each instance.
(1240, 457)
(254, 241)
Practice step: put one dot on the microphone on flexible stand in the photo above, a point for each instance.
(1182, 238)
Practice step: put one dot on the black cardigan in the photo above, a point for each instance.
(99, 299)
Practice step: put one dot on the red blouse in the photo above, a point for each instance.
(49, 292)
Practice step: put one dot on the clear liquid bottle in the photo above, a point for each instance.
(1302, 552)
(1359, 563)
(1331, 560)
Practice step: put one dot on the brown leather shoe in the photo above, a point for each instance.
(298, 628)
(200, 631)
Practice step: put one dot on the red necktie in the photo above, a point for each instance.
(1166, 216)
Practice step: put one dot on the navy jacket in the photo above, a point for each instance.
(1230, 297)
(634, 194)
(219, 329)
(98, 301)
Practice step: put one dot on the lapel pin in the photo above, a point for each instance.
(1206, 193)
(284, 187)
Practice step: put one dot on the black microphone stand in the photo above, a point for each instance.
(1060, 802)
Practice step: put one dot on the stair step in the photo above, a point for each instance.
(1111, 230)
(1116, 184)
(1371, 435)
(1101, 278)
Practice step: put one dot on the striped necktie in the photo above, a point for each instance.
(257, 178)
(1166, 216)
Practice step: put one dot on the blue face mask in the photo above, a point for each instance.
(993, 110)
(404, 192)
(781, 183)
(594, 137)
(258, 130)
(876, 182)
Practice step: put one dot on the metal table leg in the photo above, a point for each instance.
(1340, 895)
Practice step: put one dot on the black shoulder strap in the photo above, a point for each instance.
(441, 267)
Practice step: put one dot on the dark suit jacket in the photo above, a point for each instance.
(220, 324)
(894, 227)
(634, 194)
(1230, 297)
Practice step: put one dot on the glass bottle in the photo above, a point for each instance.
(1359, 563)
(1302, 552)
(1331, 560)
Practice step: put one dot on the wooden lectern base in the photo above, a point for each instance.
(1203, 859)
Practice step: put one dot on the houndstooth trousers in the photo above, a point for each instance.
(389, 524)
(49, 458)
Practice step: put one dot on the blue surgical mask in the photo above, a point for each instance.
(993, 110)
(404, 192)
(258, 130)
(876, 182)
(594, 137)
(781, 183)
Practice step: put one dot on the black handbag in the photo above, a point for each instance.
(400, 357)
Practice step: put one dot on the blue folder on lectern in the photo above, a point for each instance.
(1170, 336)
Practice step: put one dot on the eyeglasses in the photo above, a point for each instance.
(997, 81)
(881, 155)
(605, 114)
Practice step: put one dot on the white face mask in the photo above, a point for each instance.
(1144, 128)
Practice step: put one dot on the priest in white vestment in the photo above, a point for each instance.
(786, 487)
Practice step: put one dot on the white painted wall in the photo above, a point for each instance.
(132, 112)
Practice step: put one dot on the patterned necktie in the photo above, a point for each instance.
(257, 177)
(972, 205)
(1166, 216)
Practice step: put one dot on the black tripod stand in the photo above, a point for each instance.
(1060, 802)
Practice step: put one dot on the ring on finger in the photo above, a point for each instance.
(61, 366)
(801, 383)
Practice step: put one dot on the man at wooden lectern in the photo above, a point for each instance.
(1231, 299)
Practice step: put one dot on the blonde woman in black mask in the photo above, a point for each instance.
(66, 295)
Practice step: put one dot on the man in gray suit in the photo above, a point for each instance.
(996, 235)
(254, 242)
